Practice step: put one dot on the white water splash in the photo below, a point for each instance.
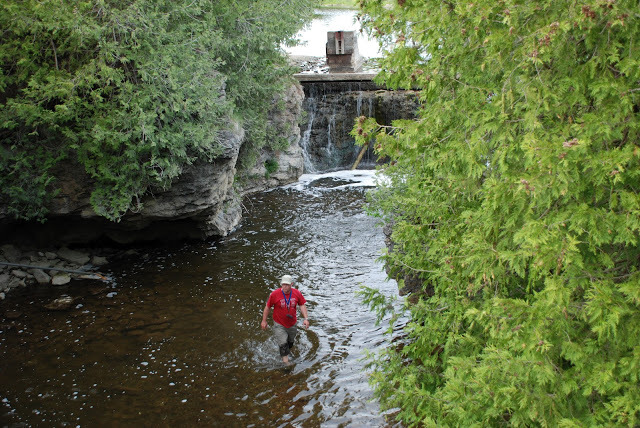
(353, 178)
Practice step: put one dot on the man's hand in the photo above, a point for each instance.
(264, 324)
(306, 323)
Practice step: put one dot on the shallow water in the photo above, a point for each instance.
(174, 339)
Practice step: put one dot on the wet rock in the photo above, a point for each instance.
(40, 276)
(332, 108)
(11, 253)
(4, 279)
(2, 295)
(61, 279)
(14, 282)
(60, 304)
(99, 261)
(35, 259)
(72, 256)
(19, 273)
(50, 256)
(12, 315)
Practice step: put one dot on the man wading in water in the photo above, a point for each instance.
(283, 301)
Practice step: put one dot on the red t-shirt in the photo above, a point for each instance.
(279, 305)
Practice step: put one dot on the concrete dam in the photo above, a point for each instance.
(332, 103)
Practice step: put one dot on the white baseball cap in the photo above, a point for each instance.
(287, 279)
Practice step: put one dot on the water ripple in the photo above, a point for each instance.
(176, 338)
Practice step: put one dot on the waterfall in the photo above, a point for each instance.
(304, 141)
(329, 149)
(331, 109)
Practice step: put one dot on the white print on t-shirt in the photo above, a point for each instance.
(293, 302)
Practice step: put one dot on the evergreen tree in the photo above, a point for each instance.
(515, 198)
(133, 90)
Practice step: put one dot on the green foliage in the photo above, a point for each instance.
(132, 90)
(515, 196)
(271, 166)
(339, 4)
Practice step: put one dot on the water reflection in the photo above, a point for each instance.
(175, 339)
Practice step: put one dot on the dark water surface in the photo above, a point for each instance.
(175, 339)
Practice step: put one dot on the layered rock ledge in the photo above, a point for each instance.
(205, 201)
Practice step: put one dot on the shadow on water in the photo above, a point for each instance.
(175, 338)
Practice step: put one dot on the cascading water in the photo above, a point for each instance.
(331, 110)
(329, 149)
(306, 135)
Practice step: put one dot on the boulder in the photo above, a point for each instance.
(4, 279)
(72, 256)
(60, 279)
(40, 276)
(99, 261)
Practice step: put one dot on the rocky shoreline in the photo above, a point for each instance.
(21, 267)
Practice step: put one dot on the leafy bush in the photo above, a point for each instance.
(132, 90)
(515, 198)
(271, 166)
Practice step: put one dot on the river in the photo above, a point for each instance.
(174, 338)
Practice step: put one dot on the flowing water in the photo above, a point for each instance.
(174, 338)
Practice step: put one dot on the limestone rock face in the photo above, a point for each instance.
(203, 201)
(200, 203)
(275, 169)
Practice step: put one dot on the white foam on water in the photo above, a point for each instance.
(355, 178)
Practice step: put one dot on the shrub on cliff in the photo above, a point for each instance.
(132, 90)
(515, 195)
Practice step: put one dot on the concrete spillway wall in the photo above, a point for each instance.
(331, 106)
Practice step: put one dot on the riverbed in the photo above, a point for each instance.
(174, 338)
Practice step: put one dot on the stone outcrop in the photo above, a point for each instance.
(204, 200)
(275, 168)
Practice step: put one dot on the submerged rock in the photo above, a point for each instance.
(72, 256)
(60, 304)
(12, 315)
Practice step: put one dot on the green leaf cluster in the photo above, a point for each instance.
(131, 90)
(515, 198)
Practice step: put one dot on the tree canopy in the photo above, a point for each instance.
(133, 90)
(515, 198)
